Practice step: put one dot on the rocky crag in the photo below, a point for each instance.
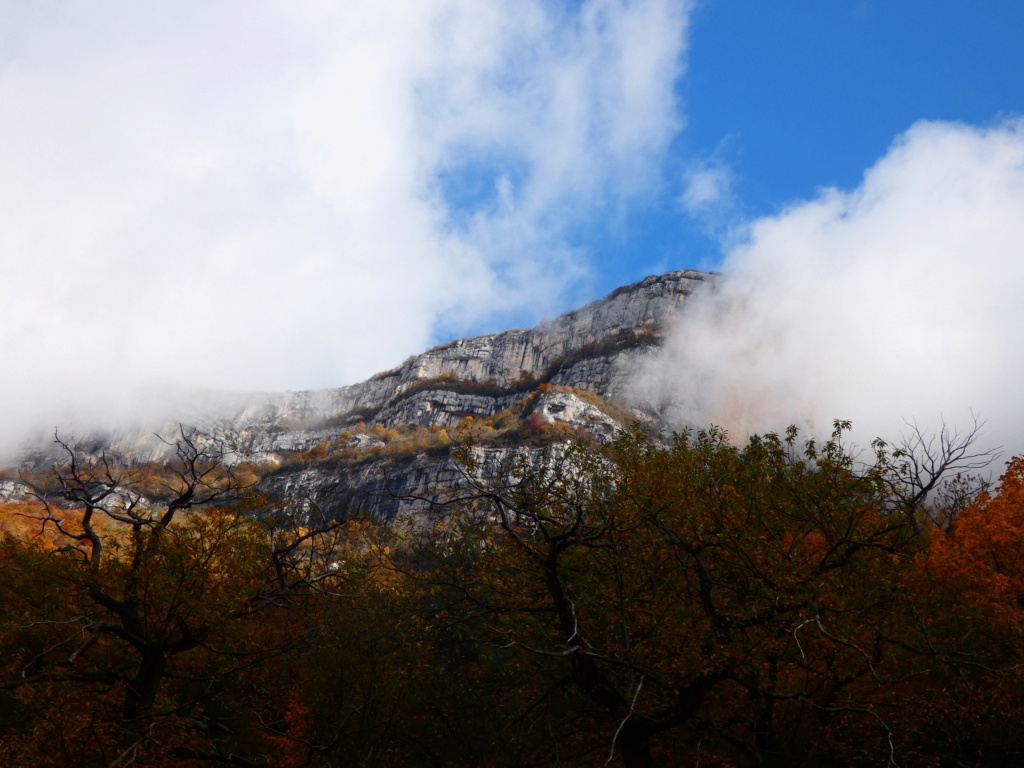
(385, 444)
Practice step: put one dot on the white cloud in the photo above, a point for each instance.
(709, 197)
(252, 195)
(706, 188)
(899, 299)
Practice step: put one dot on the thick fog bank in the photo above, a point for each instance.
(901, 299)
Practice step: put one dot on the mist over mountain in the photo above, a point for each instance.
(260, 196)
(682, 350)
(210, 199)
(900, 300)
(451, 383)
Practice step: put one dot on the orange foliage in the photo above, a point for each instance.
(981, 557)
(288, 742)
(27, 520)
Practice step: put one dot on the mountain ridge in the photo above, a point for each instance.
(380, 444)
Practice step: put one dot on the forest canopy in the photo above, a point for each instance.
(646, 602)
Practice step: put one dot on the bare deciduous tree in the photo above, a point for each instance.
(941, 466)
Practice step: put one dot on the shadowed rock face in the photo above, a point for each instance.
(390, 489)
(593, 348)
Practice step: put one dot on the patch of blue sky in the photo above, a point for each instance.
(785, 99)
(809, 94)
(475, 185)
(791, 97)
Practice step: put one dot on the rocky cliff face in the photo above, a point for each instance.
(592, 348)
(406, 474)
(341, 447)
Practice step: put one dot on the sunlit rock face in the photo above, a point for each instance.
(572, 410)
(640, 308)
(570, 371)
(590, 348)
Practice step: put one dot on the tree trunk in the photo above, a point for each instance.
(142, 691)
(635, 744)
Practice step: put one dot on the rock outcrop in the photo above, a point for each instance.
(593, 348)
(569, 371)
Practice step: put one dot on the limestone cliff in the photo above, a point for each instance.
(341, 447)
(593, 348)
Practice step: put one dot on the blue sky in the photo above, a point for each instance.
(251, 195)
(796, 95)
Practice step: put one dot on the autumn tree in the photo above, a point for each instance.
(647, 602)
(973, 575)
(143, 629)
(692, 602)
